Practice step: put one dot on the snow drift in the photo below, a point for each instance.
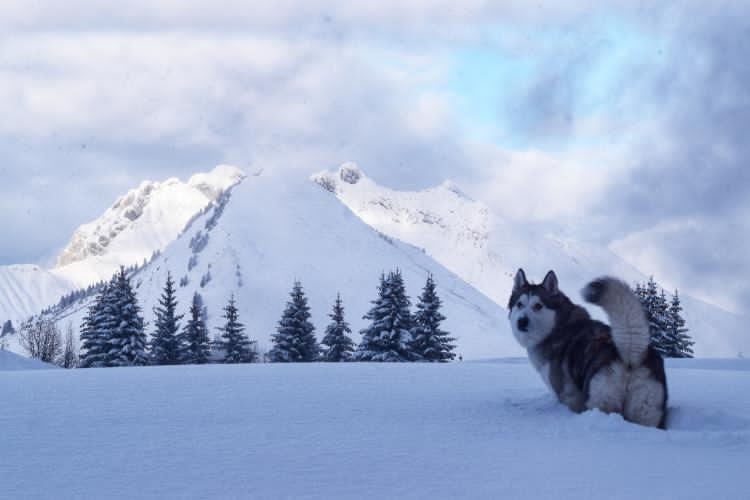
(10, 361)
(361, 430)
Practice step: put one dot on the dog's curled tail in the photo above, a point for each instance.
(630, 329)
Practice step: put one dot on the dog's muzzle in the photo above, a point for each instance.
(523, 324)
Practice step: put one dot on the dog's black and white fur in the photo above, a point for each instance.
(585, 362)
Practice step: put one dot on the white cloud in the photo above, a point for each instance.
(694, 255)
(94, 101)
(169, 103)
(540, 187)
(394, 17)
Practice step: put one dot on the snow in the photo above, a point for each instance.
(279, 228)
(212, 184)
(26, 290)
(275, 230)
(10, 361)
(144, 220)
(461, 430)
(486, 249)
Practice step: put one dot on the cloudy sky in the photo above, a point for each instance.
(627, 124)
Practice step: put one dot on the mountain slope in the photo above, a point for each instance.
(26, 289)
(466, 237)
(139, 223)
(270, 230)
(486, 250)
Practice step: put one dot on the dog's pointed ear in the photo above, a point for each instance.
(550, 282)
(520, 280)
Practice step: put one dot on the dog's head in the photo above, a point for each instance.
(533, 309)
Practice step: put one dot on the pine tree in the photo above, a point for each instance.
(640, 292)
(338, 345)
(94, 347)
(388, 336)
(125, 326)
(237, 347)
(681, 346)
(660, 334)
(667, 327)
(165, 344)
(195, 347)
(294, 340)
(655, 307)
(429, 342)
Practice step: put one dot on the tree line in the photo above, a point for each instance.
(113, 332)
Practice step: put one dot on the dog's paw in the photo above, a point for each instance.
(594, 291)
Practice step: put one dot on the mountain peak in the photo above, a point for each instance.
(140, 222)
(334, 182)
(451, 186)
(218, 180)
(350, 172)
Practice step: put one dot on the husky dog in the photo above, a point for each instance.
(585, 362)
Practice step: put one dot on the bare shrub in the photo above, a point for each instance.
(41, 339)
(69, 356)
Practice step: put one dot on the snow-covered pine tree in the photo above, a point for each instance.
(93, 342)
(668, 333)
(294, 340)
(429, 342)
(376, 315)
(655, 307)
(680, 343)
(165, 342)
(337, 345)
(640, 292)
(388, 336)
(237, 347)
(195, 347)
(660, 321)
(127, 338)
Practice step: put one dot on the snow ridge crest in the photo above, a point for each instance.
(156, 198)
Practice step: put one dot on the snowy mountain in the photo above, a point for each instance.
(486, 250)
(270, 230)
(143, 221)
(254, 237)
(465, 236)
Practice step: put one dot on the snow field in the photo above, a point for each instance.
(461, 430)
(10, 361)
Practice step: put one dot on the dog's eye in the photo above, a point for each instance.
(537, 307)
(519, 305)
